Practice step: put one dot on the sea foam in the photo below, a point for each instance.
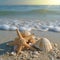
(31, 25)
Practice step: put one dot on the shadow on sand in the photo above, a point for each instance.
(5, 48)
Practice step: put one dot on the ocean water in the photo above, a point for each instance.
(28, 17)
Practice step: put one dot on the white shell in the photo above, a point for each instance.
(13, 53)
(26, 33)
(43, 44)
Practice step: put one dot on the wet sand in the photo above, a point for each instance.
(10, 35)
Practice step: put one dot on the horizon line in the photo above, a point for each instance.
(28, 5)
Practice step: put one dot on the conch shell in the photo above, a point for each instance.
(43, 44)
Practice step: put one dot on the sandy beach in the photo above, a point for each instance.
(6, 36)
(44, 21)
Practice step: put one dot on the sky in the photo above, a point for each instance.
(29, 2)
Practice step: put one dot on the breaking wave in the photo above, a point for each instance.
(28, 25)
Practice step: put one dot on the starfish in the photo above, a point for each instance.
(22, 42)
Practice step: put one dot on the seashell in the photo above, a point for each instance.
(26, 33)
(43, 44)
(13, 53)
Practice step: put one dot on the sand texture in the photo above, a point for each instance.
(7, 36)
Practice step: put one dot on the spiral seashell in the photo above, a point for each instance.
(43, 44)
